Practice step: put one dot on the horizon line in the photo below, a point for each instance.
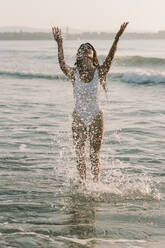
(77, 29)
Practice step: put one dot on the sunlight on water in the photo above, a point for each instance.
(43, 202)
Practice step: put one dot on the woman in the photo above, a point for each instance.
(88, 120)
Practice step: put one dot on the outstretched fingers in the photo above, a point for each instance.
(57, 33)
(124, 25)
(122, 28)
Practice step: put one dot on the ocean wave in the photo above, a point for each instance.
(124, 61)
(136, 61)
(143, 78)
(129, 77)
(140, 61)
(29, 75)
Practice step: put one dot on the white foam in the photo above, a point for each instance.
(144, 77)
(117, 187)
(112, 241)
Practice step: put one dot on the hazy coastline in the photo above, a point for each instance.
(21, 35)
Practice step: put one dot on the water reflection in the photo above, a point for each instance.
(82, 211)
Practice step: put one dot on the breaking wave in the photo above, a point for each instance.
(139, 77)
(143, 78)
(29, 75)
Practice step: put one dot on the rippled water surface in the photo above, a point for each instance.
(42, 203)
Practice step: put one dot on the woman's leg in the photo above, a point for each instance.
(96, 132)
(79, 139)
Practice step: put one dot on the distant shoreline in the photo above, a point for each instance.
(80, 36)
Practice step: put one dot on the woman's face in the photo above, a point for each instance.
(85, 50)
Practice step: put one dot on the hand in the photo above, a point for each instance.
(57, 34)
(121, 31)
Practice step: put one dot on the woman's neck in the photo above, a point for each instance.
(86, 65)
(86, 70)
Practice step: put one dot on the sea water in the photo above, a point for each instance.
(42, 203)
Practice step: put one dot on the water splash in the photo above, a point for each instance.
(115, 186)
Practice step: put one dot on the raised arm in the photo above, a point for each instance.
(105, 67)
(67, 70)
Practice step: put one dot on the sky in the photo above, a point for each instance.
(89, 15)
